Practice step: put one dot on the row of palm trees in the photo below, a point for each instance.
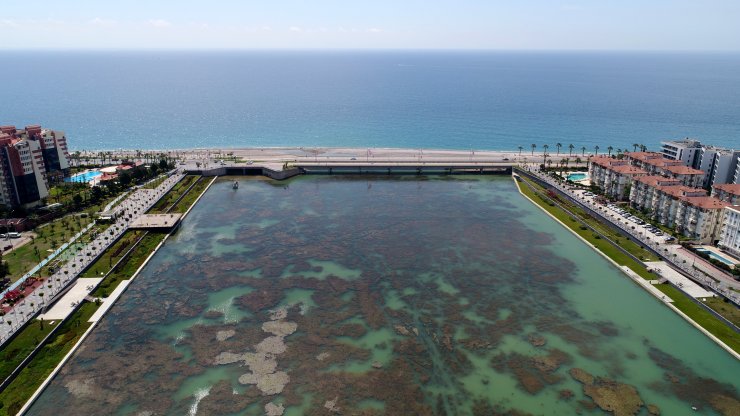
(610, 149)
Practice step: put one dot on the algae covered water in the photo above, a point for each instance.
(386, 295)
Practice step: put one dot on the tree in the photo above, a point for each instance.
(558, 145)
(610, 150)
(77, 199)
(570, 147)
(163, 165)
(597, 149)
(546, 147)
(534, 146)
(635, 146)
(583, 150)
(520, 150)
(4, 268)
(124, 179)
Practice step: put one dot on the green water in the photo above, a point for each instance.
(409, 295)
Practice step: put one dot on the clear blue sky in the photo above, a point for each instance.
(418, 24)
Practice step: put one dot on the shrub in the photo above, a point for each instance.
(596, 236)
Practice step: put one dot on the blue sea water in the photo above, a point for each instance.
(481, 100)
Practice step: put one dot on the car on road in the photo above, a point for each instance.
(14, 235)
(354, 158)
(249, 162)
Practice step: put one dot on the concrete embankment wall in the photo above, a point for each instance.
(354, 169)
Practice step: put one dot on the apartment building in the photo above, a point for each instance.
(730, 239)
(700, 218)
(655, 164)
(720, 165)
(613, 176)
(29, 159)
(728, 192)
(685, 151)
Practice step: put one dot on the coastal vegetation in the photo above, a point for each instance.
(166, 202)
(680, 300)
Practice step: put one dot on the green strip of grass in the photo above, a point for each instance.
(109, 257)
(168, 199)
(189, 198)
(31, 377)
(725, 308)
(699, 315)
(127, 268)
(23, 344)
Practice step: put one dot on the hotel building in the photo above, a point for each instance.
(29, 159)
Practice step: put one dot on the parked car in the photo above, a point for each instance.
(14, 235)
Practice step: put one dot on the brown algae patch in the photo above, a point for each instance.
(611, 396)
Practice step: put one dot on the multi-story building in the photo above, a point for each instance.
(29, 159)
(700, 218)
(728, 192)
(655, 164)
(645, 192)
(613, 176)
(719, 164)
(686, 151)
(730, 239)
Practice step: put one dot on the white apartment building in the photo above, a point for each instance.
(730, 239)
(613, 176)
(686, 151)
(700, 218)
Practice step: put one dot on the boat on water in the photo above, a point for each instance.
(235, 185)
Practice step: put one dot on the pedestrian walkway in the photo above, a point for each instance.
(687, 285)
(64, 306)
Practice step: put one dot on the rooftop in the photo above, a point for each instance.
(705, 202)
(655, 180)
(683, 191)
(731, 188)
(628, 170)
(683, 170)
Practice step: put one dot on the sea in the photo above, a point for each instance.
(487, 100)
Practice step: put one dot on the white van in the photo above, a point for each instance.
(14, 235)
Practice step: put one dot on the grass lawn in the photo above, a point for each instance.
(114, 253)
(726, 309)
(163, 204)
(127, 268)
(701, 316)
(18, 349)
(49, 237)
(31, 377)
(191, 196)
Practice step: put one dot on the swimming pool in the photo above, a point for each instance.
(84, 177)
(716, 256)
(577, 176)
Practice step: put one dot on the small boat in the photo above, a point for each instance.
(235, 185)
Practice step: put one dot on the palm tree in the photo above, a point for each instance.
(583, 151)
(558, 145)
(635, 146)
(610, 150)
(534, 146)
(520, 150)
(570, 147)
(643, 148)
(597, 150)
(546, 147)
